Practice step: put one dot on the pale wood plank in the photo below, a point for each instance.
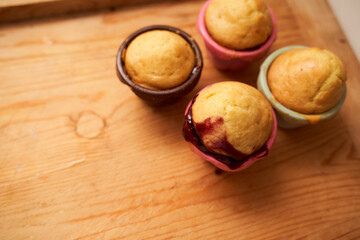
(20, 10)
(12, 3)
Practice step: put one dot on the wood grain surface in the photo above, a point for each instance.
(81, 157)
(20, 10)
(12, 3)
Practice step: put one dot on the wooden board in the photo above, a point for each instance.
(20, 10)
(81, 157)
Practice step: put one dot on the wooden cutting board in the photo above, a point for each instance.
(81, 157)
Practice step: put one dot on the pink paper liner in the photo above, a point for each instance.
(252, 159)
(228, 59)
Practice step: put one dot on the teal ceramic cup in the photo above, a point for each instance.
(286, 117)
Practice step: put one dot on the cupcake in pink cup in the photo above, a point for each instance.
(230, 124)
(236, 32)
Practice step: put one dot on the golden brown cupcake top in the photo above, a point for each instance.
(307, 80)
(235, 112)
(238, 24)
(159, 59)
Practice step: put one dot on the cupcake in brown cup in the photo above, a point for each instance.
(159, 63)
(230, 124)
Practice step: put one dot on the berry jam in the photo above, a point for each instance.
(211, 126)
(194, 133)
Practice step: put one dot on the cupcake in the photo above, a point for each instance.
(238, 24)
(230, 124)
(305, 84)
(159, 63)
(236, 32)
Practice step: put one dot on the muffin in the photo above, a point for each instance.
(159, 63)
(236, 32)
(159, 59)
(238, 24)
(230, 121)
(307, 81)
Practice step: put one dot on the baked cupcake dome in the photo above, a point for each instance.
(159, 59)
(157, 97)
(238, 24)
(232, 119)
(307, 81)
